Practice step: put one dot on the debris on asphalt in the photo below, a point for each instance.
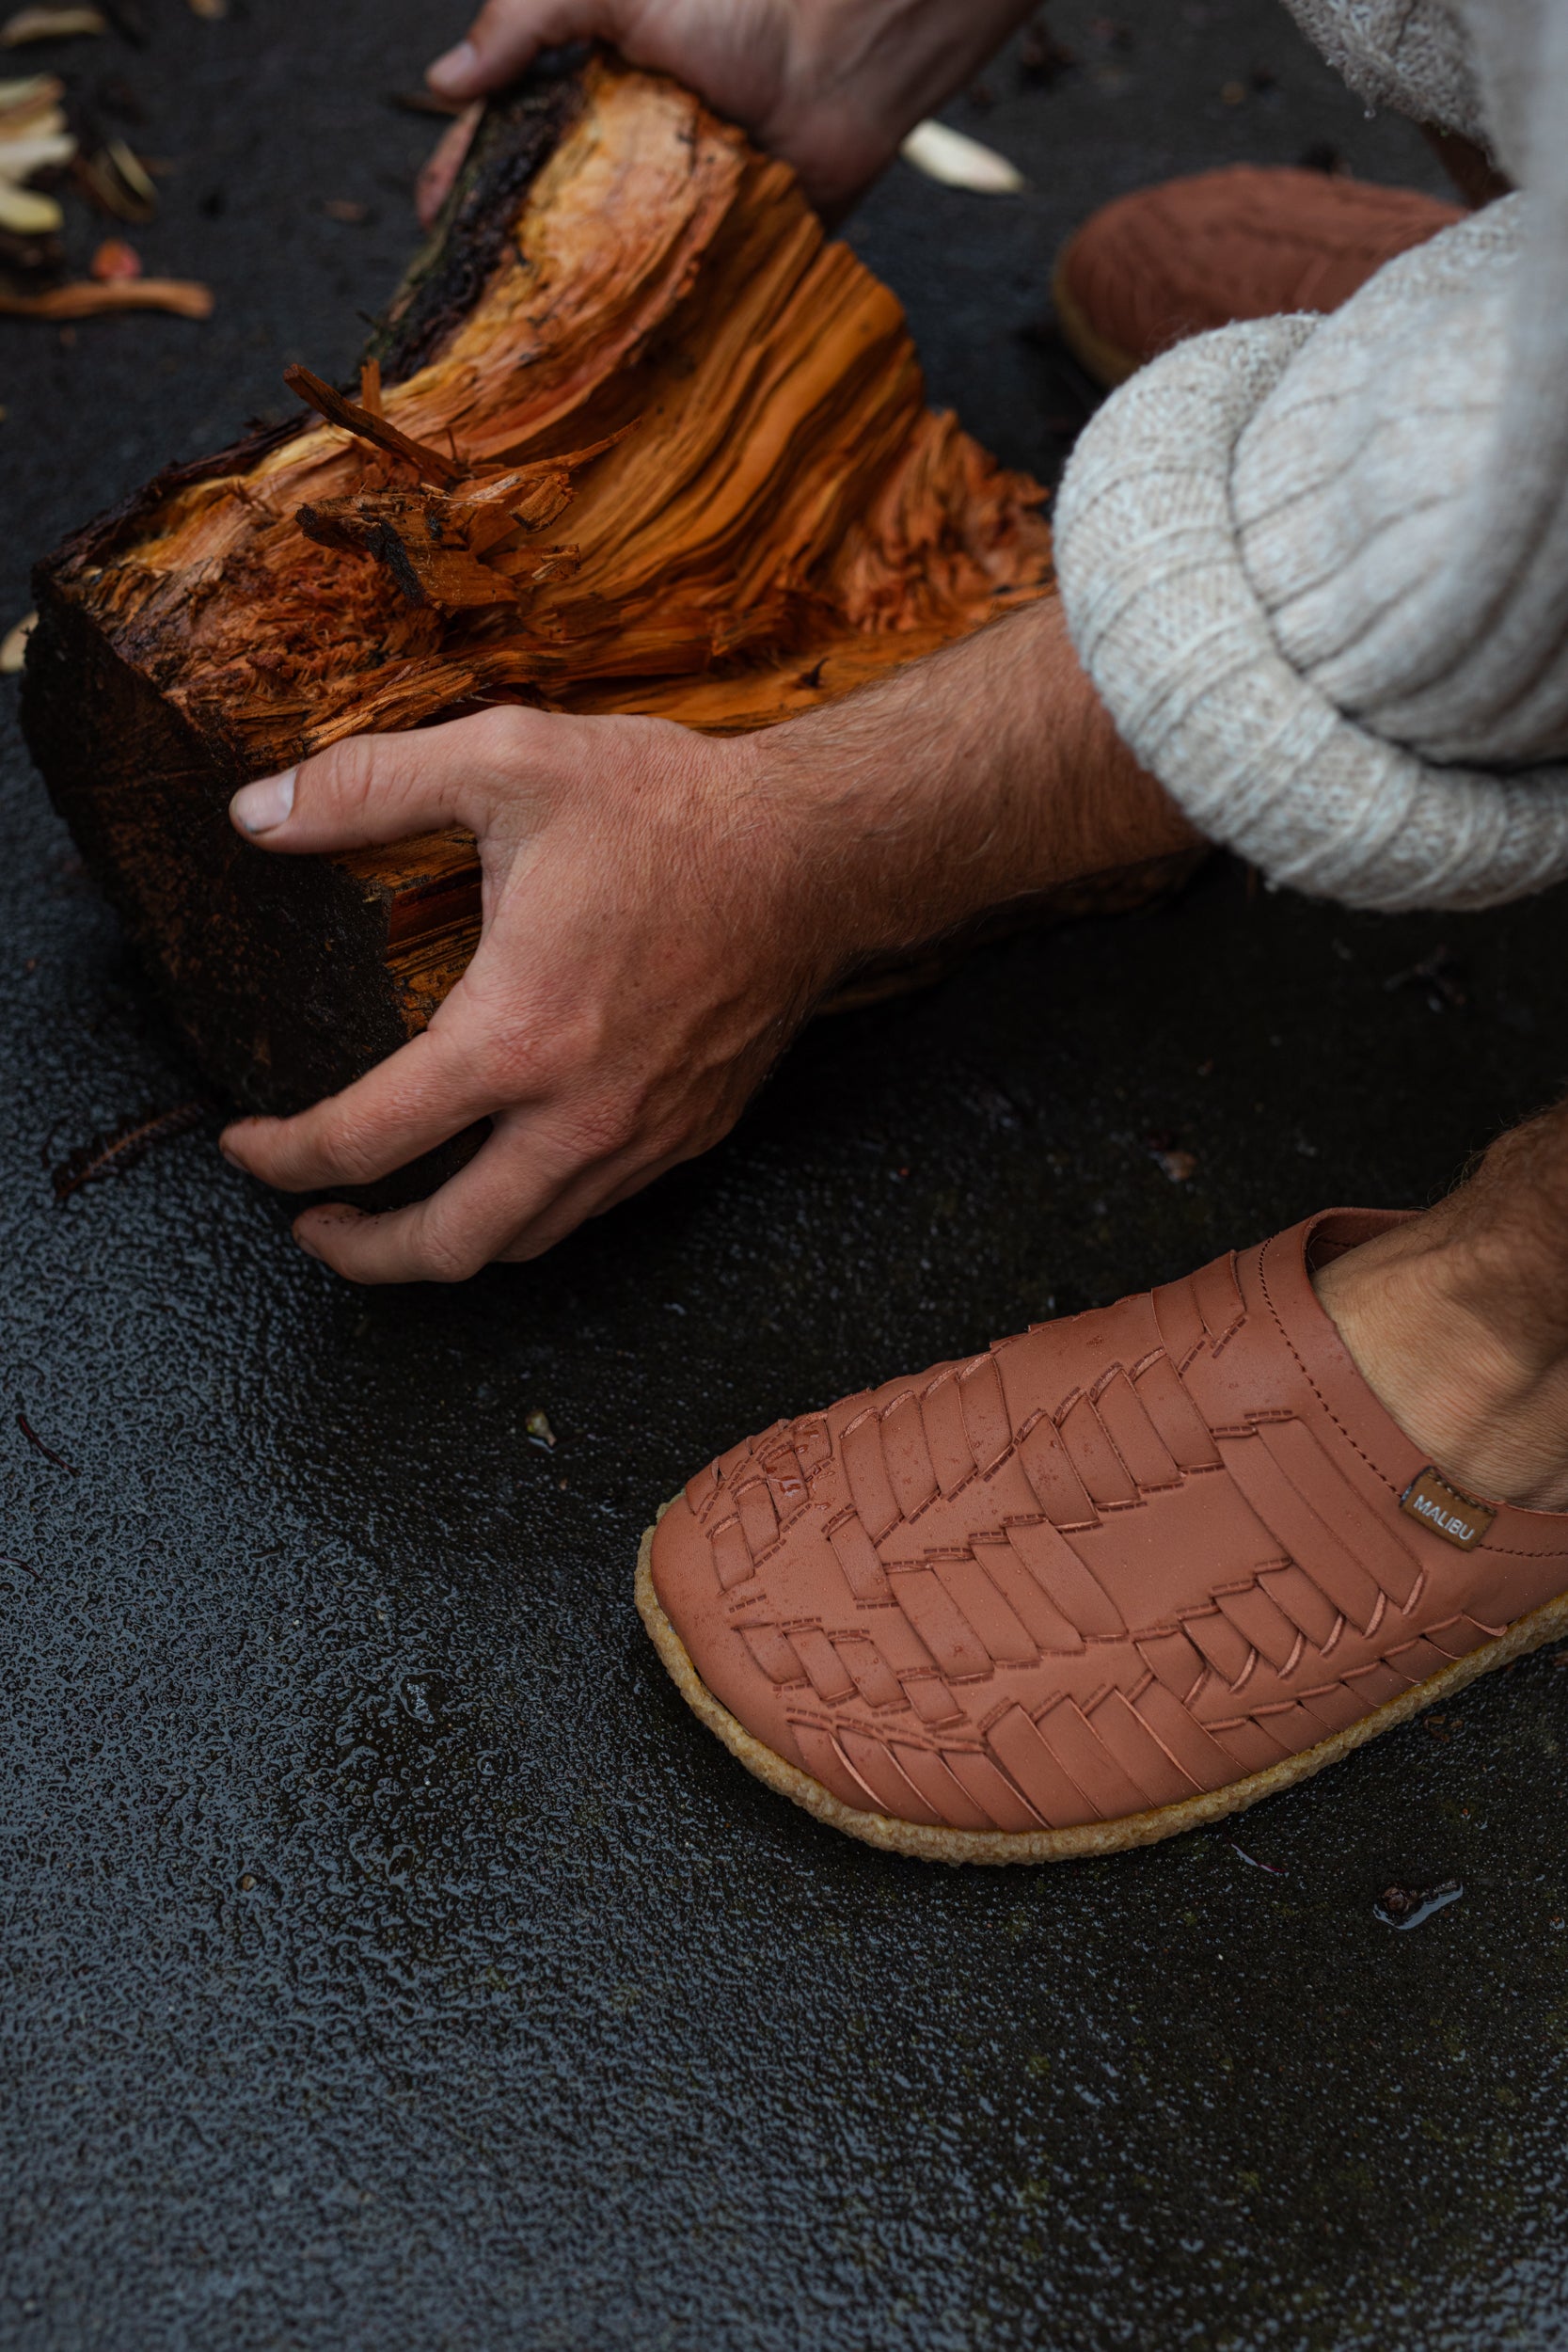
(47, 1451)
(50, 24)
(34, 137)
(115, 181)
(1440, 975)
(959, 162)
(1408, 1906)
(13, 646)
(43, 130)
(113, 260)
(116, 1154)
(539, 1429)
(185, 297)
(1273, 1867)
(1180, 1166)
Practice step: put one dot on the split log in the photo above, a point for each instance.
(636, 436)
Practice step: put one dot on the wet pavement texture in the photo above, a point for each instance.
(389, 1958)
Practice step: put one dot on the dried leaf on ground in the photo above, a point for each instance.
(13, 646)
(960, 162)
(211, 10)
(50, 24)
(185, 297)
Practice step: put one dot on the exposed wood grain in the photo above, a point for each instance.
(637, 437)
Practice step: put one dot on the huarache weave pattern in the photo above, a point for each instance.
(1111, 1564)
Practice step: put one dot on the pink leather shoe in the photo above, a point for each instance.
(1247, 242)
(1110, 1580)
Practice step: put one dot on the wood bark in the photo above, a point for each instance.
(636, 435)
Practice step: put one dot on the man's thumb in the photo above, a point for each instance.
(373, 787)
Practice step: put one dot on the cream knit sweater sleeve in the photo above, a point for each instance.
(1319, 568)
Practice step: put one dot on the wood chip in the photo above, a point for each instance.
(30, 95)
(959, 162)
(26, 214)
(131, 170)
(33, 151)
(13, 646)
(186, 298)
(50, 24)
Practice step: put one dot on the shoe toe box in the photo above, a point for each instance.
(704, 1583)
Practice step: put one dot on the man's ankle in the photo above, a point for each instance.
(1482, 1392)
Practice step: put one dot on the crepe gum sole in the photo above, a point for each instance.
(1543, 1624)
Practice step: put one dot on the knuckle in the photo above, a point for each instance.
(446, 1256)
(605, 1124)
(504, 736)
(346, 1149)
(344, 778)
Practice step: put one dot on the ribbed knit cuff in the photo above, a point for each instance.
(1169, 627)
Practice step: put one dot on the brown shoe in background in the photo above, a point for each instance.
(1245, 243)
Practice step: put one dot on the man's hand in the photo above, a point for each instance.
(831, 86)
(660, 912)
(645, 955)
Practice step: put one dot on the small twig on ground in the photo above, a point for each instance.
(47, 1451)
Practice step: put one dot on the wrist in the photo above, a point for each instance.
(987, 775)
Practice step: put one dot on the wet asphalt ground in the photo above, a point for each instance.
(389, 1958)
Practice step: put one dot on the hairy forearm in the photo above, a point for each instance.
(988, 774)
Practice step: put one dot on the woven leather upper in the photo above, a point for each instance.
(1115, 1561)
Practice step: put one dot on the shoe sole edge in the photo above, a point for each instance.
(1000, 1847)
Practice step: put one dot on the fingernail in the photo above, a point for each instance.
(454, 71)
(234, 1158)
(259, 807)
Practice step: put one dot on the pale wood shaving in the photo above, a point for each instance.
(13, 646)
(960, 162)
(25, 213)
(34, 151)
(50, 24)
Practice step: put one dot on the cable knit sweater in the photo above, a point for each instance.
(1317, 568)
